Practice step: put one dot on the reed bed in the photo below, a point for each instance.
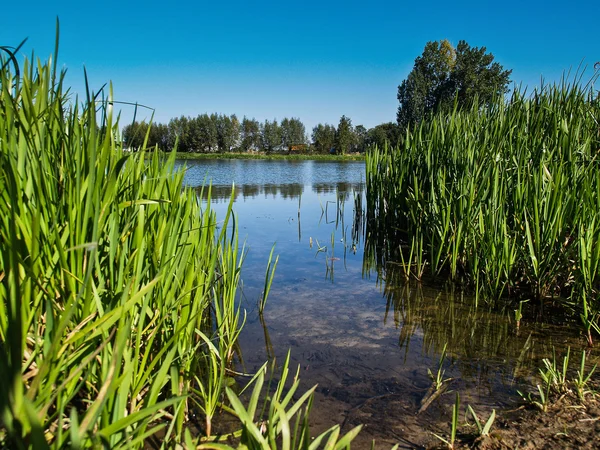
(118, 308)
(505, 200)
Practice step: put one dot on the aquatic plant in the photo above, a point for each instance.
(282, 422)
(583, 378)
(438, 379)
(450, 442)
(519, 314)
(110, 272)
(554, 375)
(119, 315)
(555, 383)
(439, 384)
(502, 199)
(482, 429)
(269, 275)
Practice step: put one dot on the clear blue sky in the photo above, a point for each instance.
(314, 60)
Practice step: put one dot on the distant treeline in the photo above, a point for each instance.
(221, 133)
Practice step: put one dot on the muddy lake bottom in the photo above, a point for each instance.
(365, 338)
(371, 385)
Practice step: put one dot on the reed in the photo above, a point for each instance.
(583, 378)
(118, 303)
(109, 271)
(282, 421)
(555, 385)
(269, 274)
(501, 199)
(482, 429)
(451, 441)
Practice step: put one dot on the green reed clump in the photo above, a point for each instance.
(503, 199)
(555, 384)
(110, 272)
(118, 310)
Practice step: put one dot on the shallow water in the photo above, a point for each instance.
(364, 335)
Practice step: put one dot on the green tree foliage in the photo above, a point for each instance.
(379, 135)
(271, 136)
(134, 135)
(195, 139)
(221, 133)
(159, 136)
(292, 132)
(206, 132)
(250, 134)
(323, 138)
(344, 136)
(228, 131)
(476, 74)
(178, 134)
(361, 138)
(423, 89)
(443, 73)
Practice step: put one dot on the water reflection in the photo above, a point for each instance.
(484, 339)
(327, 220)
(354, 323)
(286, 191)
(252, 172)
(479, 336)
(342, 189)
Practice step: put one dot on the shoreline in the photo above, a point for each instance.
(263, 156)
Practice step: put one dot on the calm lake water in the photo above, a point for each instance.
(366, 337)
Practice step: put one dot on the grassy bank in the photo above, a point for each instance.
(119, 311)
(271, 156)
(504, 199)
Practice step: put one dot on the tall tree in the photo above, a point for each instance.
(443, 72)
(228, 131)
(344, 136)
(159, 136)
(178, 134)
(205, 133)
(361, 137)
(422, 90)
(323, 137)
(476, 75)
(134, 135)
(292, 132)
(271, 136)
(249, 134)
(194, 139)
(386, 133)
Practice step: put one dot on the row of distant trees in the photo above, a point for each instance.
(443, 77)
(220, 133)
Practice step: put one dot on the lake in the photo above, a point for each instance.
(361, 332)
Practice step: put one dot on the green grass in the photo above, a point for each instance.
(504, 200)
(119, 311)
